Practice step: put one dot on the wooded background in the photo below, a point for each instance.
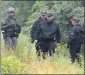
(23, 60)
(29, 11)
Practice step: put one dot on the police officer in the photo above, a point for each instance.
(48, 33)
(10, 29)
(34, 28)
(76, 36)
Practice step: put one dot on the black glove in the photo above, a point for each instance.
(67, 45)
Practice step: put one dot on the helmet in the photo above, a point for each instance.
(11, 9)
(43, 13)
(49, 14)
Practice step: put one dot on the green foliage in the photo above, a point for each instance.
(10, 65)
(29, 11)
(63, 12)
(24, 60)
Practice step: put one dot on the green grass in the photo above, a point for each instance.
(24, 60)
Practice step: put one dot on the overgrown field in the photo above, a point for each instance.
(24, 60)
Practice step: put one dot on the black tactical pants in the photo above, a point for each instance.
(47, 47)
(10, 40)
(37, 46)
(74, 51)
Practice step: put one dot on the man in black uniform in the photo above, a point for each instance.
(10, 29)
(76, 37)
(34, 28)
(48, 34)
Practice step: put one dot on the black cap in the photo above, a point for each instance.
(49, 14)
(74, 19)
(43, 13)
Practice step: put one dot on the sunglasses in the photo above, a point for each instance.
(43, 15)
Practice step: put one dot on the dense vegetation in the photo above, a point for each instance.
(23, 60)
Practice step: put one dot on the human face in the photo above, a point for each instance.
(49, 18)
(43, 17)
(11, 14)
(74, 23)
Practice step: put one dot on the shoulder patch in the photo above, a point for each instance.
(71, 33)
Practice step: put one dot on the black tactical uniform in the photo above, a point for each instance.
(76, 37)
(11, 31)
(33, 30)
(48, 34)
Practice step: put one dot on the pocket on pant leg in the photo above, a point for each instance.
(8, 41)
(44, 46)
(14, 40)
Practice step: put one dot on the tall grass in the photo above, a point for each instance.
(24, 60)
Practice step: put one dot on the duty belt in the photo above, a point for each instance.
(48, 39)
